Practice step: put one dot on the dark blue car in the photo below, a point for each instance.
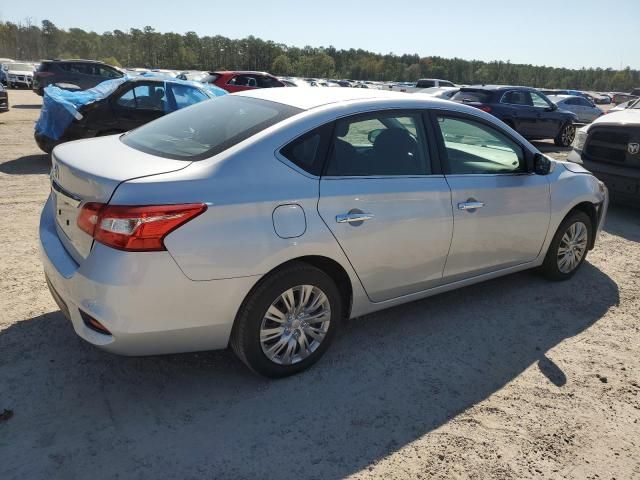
(524, 109)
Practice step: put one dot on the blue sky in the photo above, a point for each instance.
(557, 33)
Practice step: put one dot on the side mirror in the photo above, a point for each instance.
(373, 134)
(552, 108)
(541, 164)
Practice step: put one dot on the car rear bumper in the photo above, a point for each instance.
(144, 300)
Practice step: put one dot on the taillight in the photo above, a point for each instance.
(484, 108)
(45, 74)
(135, 228)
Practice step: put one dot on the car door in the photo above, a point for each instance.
(548, 122)
(138, 104)
(501, 213)
(524, 115)
(386, 203)
(588, 111)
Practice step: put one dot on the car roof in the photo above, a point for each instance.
(77, 60)
(308, 98)
(239, 72)
(564, 97)
(496, 87)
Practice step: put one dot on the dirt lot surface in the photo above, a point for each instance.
(513, 378)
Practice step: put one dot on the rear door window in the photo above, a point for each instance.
(517, 97)
(244, 81)
(144, 97)
(268, 82)
(379, 144)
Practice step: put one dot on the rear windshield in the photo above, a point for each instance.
(480, 96)
(207, 128)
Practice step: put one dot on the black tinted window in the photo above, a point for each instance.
(480, 96)
(425, 84)
(243, 81)
(516, 97)
(268, 82)
(383, 144)
(207, 128)
(309, 151)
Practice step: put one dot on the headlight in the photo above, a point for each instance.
(581, 138)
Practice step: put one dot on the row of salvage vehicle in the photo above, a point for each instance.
(126, 102)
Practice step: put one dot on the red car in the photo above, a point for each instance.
(237, 81)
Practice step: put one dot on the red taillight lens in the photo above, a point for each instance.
(133, 228)
(88, 218)
(484, 108)
(44, 74)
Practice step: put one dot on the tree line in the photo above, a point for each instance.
(151, 49)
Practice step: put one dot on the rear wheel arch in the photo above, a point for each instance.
(329, 266)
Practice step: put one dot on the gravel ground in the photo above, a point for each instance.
(513, 378)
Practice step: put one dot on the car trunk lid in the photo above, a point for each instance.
(90, 171)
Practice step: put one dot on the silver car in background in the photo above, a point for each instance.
(264, 219)
(585, 110)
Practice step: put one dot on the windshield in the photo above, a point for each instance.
(207, 128)
(20, 67)
(634, 104)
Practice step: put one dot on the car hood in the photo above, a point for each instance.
(20, 72)
(630, 116)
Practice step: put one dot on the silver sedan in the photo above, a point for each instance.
(265, 219)
(585, 110)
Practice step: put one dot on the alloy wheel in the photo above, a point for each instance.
(572, 247)
(295, 324)
(568, 135)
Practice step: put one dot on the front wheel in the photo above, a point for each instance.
(566, 135)
(288, 321)
(569, 247)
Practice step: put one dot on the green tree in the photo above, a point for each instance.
(282, 65)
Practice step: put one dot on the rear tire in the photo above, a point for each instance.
(46, 144)
(566, 135)
(287, 321)
(569, 247)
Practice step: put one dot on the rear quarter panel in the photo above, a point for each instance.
(235, 237)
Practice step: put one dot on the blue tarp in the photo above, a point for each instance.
(60, 107)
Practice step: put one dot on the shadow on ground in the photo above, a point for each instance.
(623, 221)
(27, 107)
(27, 165)
(389, 379)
